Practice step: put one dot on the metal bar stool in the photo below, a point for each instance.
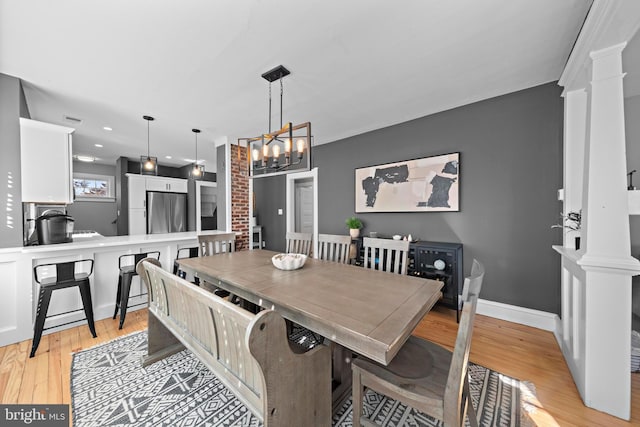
(185, 253)
(65, 277)
(127, 271)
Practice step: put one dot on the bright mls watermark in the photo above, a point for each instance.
(34, 415)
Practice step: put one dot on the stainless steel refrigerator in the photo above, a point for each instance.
(166, 212)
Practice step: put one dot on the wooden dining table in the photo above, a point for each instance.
(367, 312)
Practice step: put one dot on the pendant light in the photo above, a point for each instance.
(197, 171)
(148, 164)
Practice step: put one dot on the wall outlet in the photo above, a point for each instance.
(264, 244)
(279, 211)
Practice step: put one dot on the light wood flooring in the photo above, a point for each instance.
(519, 351)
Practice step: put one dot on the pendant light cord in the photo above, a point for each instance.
(148, 146)
(269, 107)
(281, 92)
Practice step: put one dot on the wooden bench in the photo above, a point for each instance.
(249, 353)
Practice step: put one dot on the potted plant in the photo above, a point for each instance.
(572, 222)
(354, 225)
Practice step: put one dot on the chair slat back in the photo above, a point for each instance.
(214, 244)
(299, 243)
(471, 286)
(456, 397)
(190, 252)
(64, 271)
(386, 254)
(332, 247)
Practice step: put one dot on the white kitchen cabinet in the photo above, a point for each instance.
(137, 221)
(45, 162)
(174, 185)
(137, 191)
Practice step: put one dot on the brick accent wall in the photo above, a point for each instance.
(240, 195)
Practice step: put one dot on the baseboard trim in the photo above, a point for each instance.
(524, 316)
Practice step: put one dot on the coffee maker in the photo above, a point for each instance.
(47, 224)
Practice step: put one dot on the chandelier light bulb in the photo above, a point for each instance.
(300, 145)
(265, 151)
(287, 145)
(256, 154)
(276, 151)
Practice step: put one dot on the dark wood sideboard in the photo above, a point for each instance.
(424, 261)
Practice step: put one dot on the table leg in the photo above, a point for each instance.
(341, 375)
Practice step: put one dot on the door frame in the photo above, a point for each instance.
(199, 185)
(290, 202)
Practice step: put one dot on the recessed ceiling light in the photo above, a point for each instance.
(99, 145)
(107, 128)
(86, 158)
(167, 157)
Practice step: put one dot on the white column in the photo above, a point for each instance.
(607, 257)
(606, 221)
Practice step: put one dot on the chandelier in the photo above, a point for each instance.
(148, 164)
(284, 150)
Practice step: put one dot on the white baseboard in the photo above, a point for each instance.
(524, 316)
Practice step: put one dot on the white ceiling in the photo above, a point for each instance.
(355, 65)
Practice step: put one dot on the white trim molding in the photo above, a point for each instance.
(290, 202)
(602, 28)
(522, 315)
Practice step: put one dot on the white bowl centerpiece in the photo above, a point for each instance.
(288, 261)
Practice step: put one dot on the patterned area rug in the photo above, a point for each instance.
(109, 387)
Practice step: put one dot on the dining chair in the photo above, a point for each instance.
(299, 243)
(472, 287)
(188, 252)
(424, 375)
(333, 247)
(213, 244)
(386, 254)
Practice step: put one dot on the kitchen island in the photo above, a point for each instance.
(19, 290)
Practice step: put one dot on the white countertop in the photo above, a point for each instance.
(104, 241)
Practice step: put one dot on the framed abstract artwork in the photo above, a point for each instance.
(430, 184)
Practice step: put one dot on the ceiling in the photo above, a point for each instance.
(355, 66)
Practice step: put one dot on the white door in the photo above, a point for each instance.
(303, 205)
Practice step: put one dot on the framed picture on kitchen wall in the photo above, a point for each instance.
(429, 184)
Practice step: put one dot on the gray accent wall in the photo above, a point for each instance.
(90, 214)
(268, 201)
(12, 107)
(510, 170)
(122, 196)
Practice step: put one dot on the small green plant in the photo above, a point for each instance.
(353, 223)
